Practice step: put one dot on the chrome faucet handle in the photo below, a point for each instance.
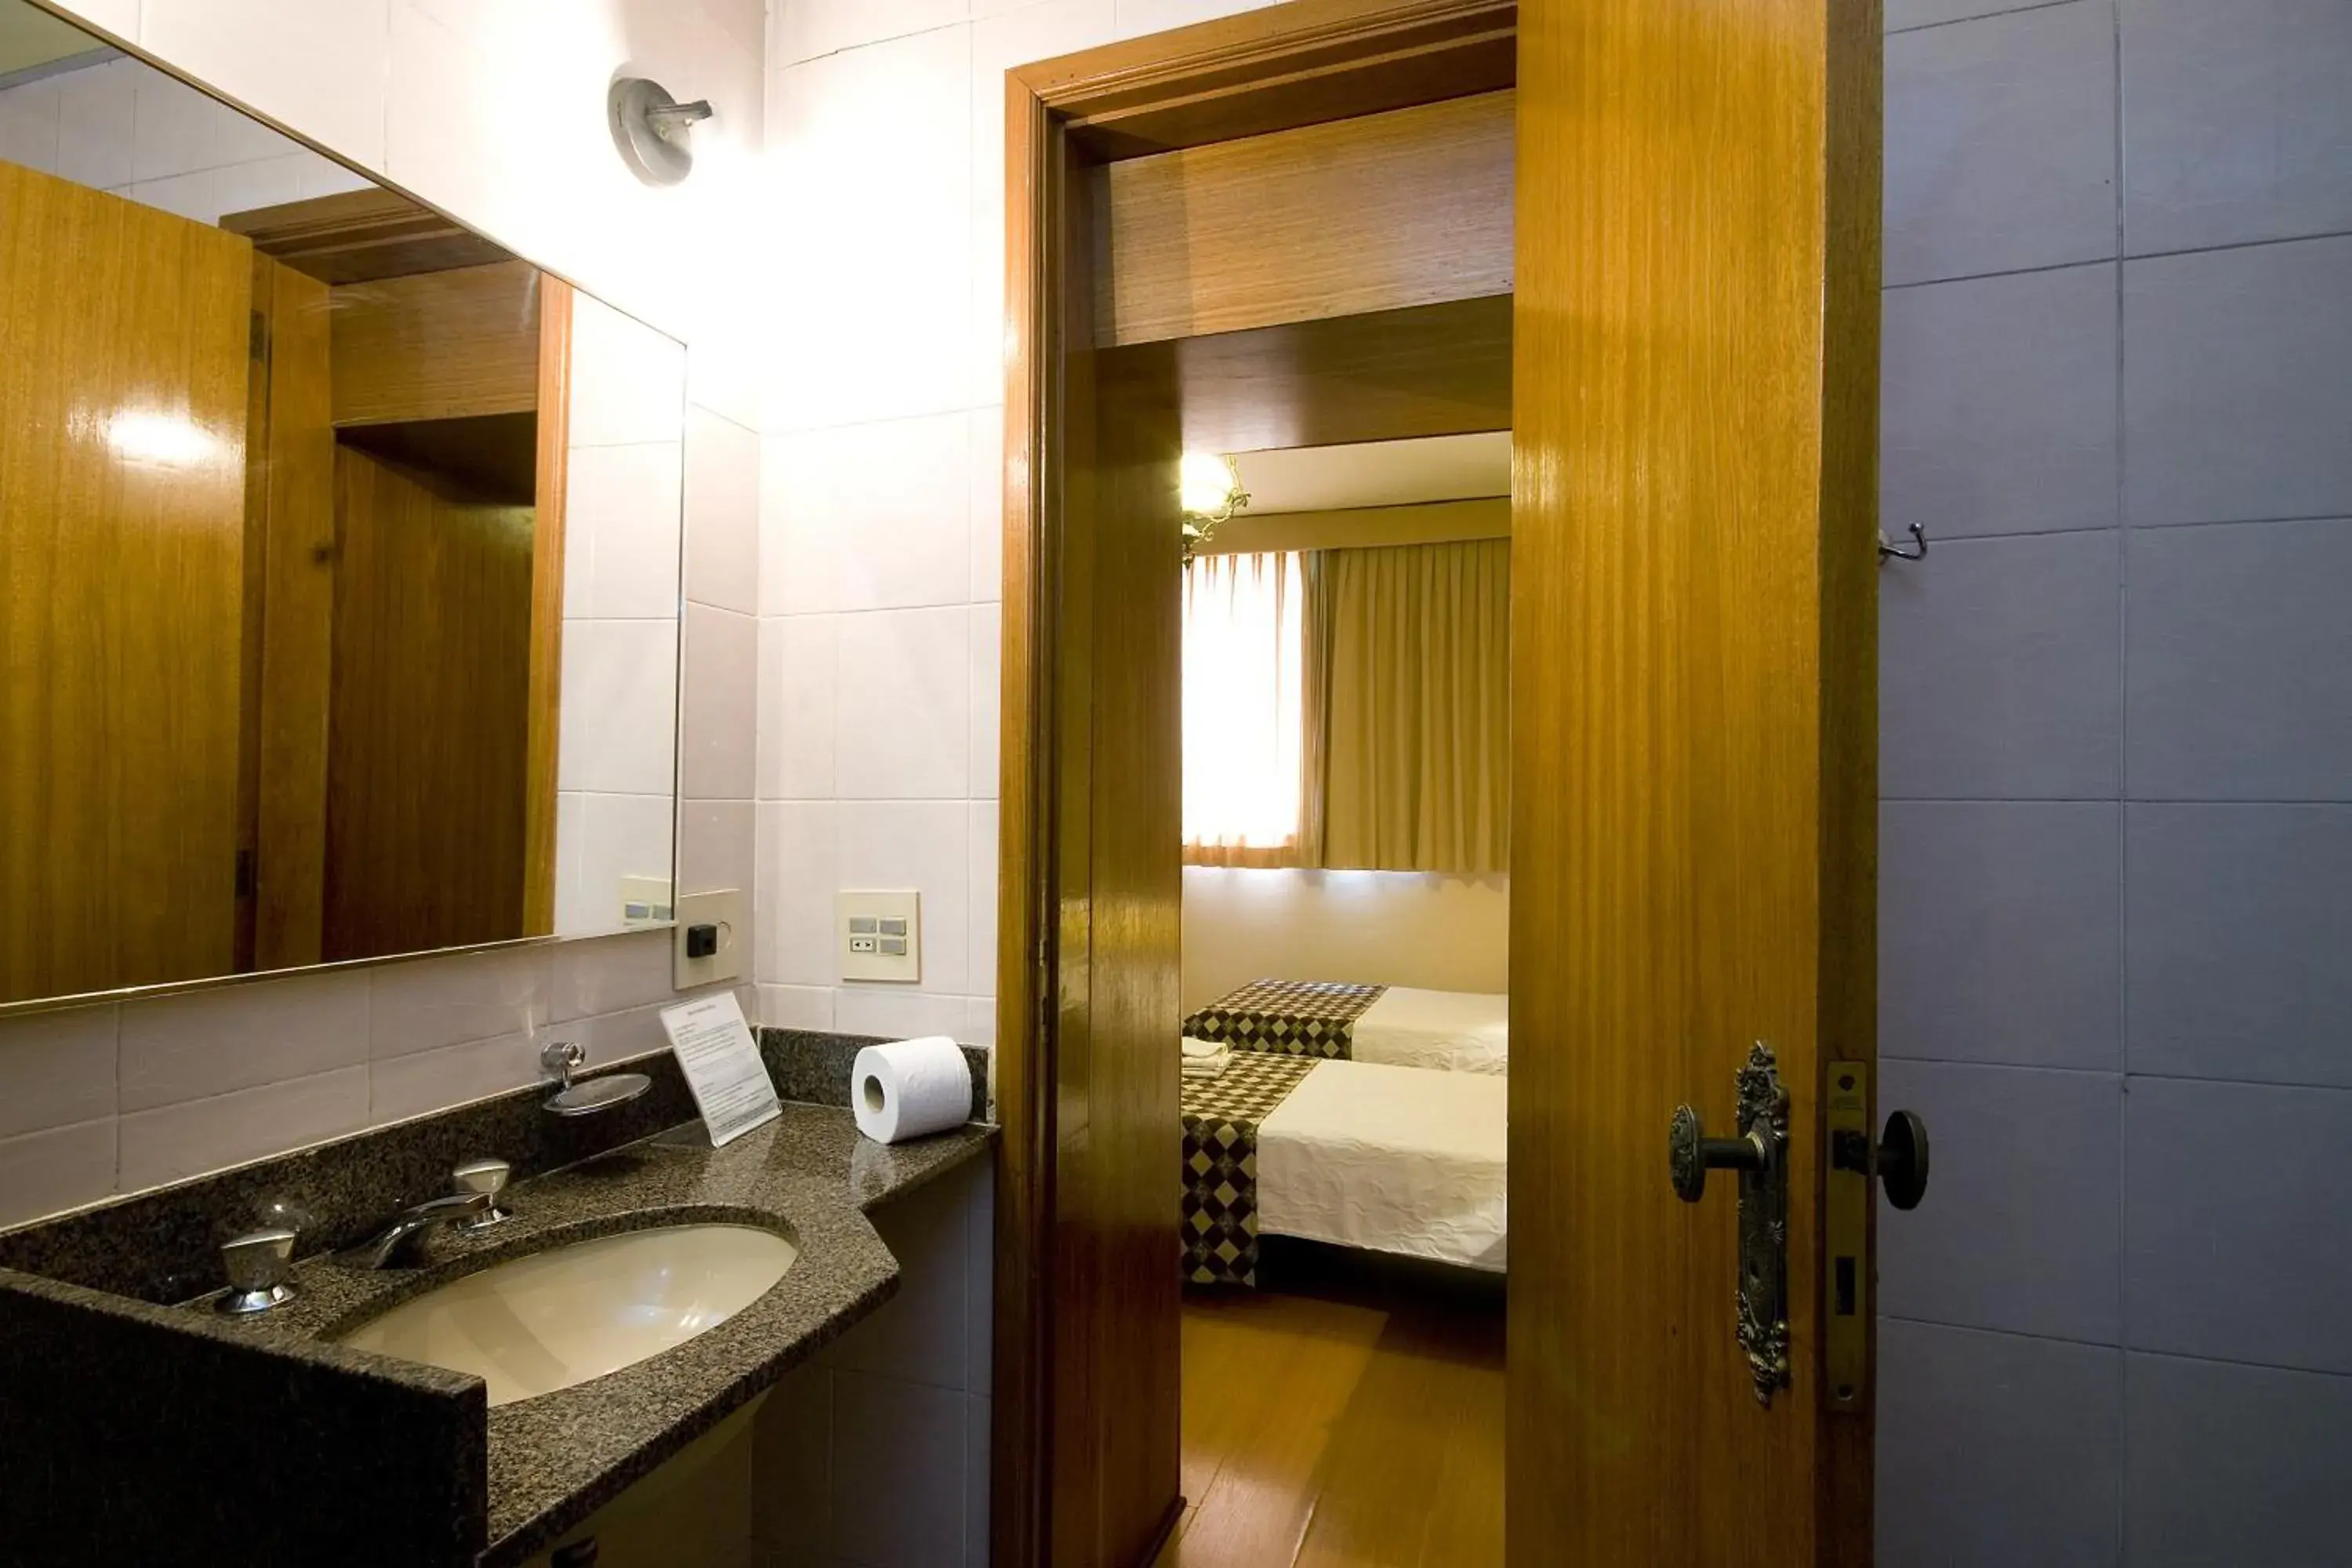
(443, 1210)
(257, 1264)
(488, 1176)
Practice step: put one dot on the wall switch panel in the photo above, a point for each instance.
(646, 900)
(721, 921)
(880, 935)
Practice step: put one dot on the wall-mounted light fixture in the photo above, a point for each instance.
(1209, 491)
(652, 129)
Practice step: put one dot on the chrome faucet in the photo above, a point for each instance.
(380, 1253)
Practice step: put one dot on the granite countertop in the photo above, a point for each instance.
(556, 1458)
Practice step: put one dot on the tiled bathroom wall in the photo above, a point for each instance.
(880, 508)
(2116, 782)
(494, 113)
(120, 126)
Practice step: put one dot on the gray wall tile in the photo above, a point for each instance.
(2238, 662)
(1996, 1451)
(2236, 403)
(2235, 1241)
(1998, 404)
(1997, 932)
(2001, 144)
(1901, 15)
(2240, 917)
(2235, 1464)
(2019, 1230)
(2000, 670)
(2237, 122)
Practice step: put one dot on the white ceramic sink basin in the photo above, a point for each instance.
(564, 1316)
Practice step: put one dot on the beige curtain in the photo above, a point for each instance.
(1244, 710)
(1414, 645)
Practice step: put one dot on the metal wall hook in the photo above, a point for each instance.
(1891, 552)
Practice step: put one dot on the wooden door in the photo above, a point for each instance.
(1694, 771)
(125, 337)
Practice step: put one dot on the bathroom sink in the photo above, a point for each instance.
(564, 1316)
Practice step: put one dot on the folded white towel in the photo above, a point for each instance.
(1208, 1066)
(1194, 1049)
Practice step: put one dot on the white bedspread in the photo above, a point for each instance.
(1462, 1031)
(1394, 1159)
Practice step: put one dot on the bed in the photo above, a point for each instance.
(1399, 1026)
(1366, 1154)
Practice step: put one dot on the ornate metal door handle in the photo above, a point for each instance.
(1761, 1156)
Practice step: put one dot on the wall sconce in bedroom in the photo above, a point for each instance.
(652, 129)
(1211, 491)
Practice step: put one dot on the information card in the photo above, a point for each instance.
(731, 1083)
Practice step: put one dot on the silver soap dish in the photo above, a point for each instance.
(565, 1058)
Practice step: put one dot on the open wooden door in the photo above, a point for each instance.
(1695, 402)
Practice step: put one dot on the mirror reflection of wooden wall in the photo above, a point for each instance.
(281, 635)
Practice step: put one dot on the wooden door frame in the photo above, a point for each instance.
(1276, 70)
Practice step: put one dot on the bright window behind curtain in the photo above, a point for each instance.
(1245, 709)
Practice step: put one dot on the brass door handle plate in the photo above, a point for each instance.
(1759, 1154)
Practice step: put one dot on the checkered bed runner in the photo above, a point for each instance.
(1220, 1204)
(1299, 1017)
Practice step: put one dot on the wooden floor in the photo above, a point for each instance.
(1350, 1426)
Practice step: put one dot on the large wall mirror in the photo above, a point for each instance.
(338, 557)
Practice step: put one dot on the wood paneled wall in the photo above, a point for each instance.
(425, 760)
(437, 345)
(1375, 213)
(123, 386)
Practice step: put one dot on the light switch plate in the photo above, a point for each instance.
(880, 935)
(728, 909)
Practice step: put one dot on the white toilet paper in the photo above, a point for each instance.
(910, 1088)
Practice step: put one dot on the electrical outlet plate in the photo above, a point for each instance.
(728, 909)
(880, 935)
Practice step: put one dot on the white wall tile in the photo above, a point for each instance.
(57, 1068)
(623, 501)
(987, 696)
(622, 836)
(797, 1007)
(200, 1135)
(719, 732)
(174, 128)
(55, 1169)
(629, 381)
(615, 1037)
(803, 29)
(321, 67)
(610, 974)
(118, 17)
(798, 692)
(716, 845)
(619, 706)
(980, 1029)
(868, 517)
(206, 1043)
(923, 844)
(95, 124)
(797, 859)
(722, 512)
(871, 164)
(1138, 17)
(987, 505)
(29, 125)
(897, 1014)
(423, 1082)
(429, 1004)
(903, 728)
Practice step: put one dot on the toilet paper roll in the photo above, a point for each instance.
(908, 1088)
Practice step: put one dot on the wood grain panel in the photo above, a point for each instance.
(1432, 370)
(437, 345)
(298, 624)
(354, 236)
(425, 762)
(1084, 1414)
(123, 391)
(1693, 707)
(544, 699)
(1378, 213)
